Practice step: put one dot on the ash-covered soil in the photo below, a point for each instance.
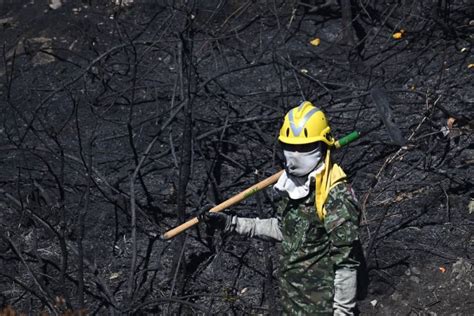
(116, 123)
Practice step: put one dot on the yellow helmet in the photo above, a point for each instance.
(305, 124)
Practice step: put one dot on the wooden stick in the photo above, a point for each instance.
(226, 204)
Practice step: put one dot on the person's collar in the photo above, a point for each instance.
(297, 187)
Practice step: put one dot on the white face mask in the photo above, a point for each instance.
(300, 164)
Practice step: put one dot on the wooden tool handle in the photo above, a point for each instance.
(226, 204)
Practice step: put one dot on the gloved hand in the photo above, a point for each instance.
(213, 220)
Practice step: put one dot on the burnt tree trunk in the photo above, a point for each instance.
(346, 12)
(188, 91)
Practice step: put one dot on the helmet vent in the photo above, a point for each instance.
(305, 132)
(287, 132)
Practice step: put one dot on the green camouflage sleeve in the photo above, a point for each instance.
(342, 224)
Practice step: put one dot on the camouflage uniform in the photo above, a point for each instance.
(313, 251)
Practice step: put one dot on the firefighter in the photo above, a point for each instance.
(317, 223)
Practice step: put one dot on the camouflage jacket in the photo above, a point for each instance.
(311, 249)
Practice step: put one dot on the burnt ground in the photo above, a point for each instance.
(117, 123)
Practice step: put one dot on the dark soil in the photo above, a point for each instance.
(118, 122)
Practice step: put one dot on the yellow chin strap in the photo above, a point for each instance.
(325, 181)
